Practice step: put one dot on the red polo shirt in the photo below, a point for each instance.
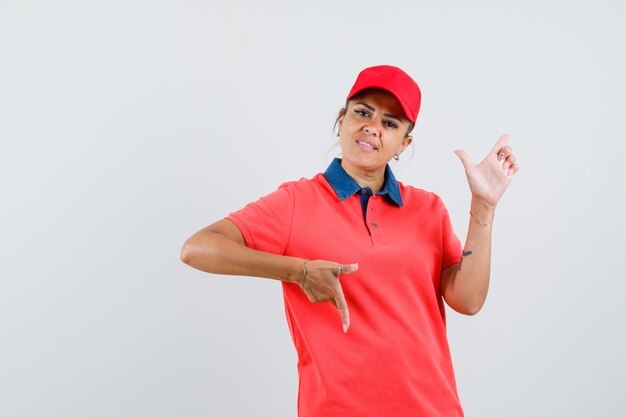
(394, 361)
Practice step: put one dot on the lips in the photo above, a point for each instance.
(366, 145)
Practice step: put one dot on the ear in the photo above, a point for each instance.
(340, 116)
(406, 141)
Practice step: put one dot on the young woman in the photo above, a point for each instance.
(356, 241)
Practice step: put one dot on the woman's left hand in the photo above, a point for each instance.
(490, 179)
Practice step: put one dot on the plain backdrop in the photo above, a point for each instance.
(126, 126)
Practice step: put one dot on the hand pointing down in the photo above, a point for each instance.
(320, 282)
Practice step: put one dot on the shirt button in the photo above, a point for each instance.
(374, 224)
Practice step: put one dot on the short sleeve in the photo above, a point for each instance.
(266, 223)
(451, 245)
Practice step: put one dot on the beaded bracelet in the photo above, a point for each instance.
(480, 222)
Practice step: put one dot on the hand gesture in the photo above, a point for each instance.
(321, 283)
(490, 179)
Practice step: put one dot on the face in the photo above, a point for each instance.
(372, 131)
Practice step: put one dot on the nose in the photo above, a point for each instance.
(372, 127)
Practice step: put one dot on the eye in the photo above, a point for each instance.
(362, 113)
(391, 124)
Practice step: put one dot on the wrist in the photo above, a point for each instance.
(297, 271)
(482, 212)
(304, 273)
(482, 207)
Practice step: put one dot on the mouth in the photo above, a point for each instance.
(366, 146)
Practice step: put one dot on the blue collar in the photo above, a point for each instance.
(345, 186)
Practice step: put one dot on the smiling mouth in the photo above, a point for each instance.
(366, 146)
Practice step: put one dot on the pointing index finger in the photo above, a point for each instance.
(342, 306)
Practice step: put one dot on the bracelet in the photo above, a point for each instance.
(480, 222)
(304, 273)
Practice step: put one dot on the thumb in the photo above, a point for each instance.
(349, 268)
(465, 159)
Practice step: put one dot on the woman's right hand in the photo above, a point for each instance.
(320, 282)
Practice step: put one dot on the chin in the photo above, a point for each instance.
(365, 163)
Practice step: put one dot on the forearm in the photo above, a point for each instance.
(215, 253)
(220, 248)
(465, 287)
(467, 290)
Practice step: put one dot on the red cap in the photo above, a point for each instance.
(394, 80)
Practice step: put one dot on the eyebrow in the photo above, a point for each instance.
(371, 108)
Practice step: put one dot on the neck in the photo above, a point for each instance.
(373, 179)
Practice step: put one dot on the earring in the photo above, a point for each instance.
(337, 133)
(396, 157)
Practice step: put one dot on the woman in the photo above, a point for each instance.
(381, 253)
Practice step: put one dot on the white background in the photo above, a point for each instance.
(126, 126)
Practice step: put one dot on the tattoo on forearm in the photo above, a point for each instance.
(468, 253)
